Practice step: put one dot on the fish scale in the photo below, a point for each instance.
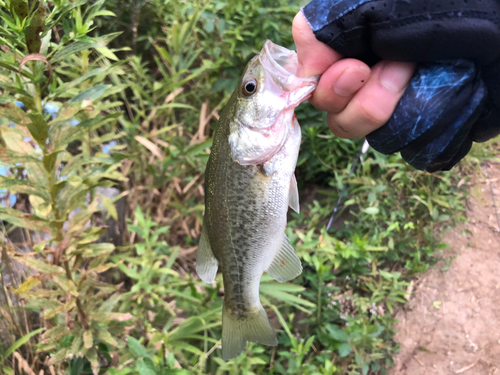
(249, 183)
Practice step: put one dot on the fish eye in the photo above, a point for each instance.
(249, 87)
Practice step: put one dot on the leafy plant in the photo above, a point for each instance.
(54, 158)
(126, 94)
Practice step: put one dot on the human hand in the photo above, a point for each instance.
(357, 99)
(453, 97)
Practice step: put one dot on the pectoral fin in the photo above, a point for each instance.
(293, 195)
(206, 264)
(285, 265)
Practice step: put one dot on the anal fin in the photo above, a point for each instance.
(286, 264)
(206, 264)
(293, 195)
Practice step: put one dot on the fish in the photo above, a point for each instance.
(249, 184)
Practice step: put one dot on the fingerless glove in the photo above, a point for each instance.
(453, 98)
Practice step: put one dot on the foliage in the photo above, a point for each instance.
(125, 94)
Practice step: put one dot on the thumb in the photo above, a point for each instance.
(314, 56)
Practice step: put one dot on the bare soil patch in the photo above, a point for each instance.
(452, 323)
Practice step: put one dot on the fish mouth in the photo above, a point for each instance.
(280, 60)
(282, 65)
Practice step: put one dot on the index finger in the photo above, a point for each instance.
(314, 56)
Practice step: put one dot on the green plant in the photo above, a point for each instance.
(136, 110)
(55, 162)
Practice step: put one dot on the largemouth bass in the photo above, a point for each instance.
(249, 184)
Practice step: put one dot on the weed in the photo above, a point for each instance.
(125, 94)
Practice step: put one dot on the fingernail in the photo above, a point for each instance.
(351, 80)
(395, 76)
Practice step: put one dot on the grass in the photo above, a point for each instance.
(144, 82)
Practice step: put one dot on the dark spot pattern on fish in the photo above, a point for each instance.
(245, 213)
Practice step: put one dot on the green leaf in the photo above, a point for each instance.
(39, 266)
(93, 358)
(78, 81)
(82, 46)
(279, 291)
(110, 303)
(23, 187)
(65, 284)
(103, 12)
(283, 323)
(29, 284)
(441, 202)
(97, 249)
(336, 333)
(345, 349)
(107, 53)
(14, 138)
(13, 113)
(55, 333)
(136, 347)
(198, 148)
(67, 111)
(376, 248)
(49, 162)
(145, 367)
(8, 157)
(24, 220)
(59, 356)
(371, 210)
(76, 345)
(437, 304)
(79, 131)
(38, 128)
(72, 49)
(109, 206)
(88, 339)
(106, 337)
(23, 340)
(93, 93)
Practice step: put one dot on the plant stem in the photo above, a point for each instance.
(58, 223)
(83, 316)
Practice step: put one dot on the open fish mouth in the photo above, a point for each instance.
(282, 64)
(280, 61)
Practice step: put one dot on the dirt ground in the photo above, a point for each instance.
(452, 323)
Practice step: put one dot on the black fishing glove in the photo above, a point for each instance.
(453, 98)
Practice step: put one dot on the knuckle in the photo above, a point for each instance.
(337, 128)
(326, 102)
(374, 114)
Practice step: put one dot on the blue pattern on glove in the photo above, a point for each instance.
(323, 12)
(439, 152)
(432, 87)
(432, 125)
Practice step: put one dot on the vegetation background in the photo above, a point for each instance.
(106, 114)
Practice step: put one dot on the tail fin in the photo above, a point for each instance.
(237, 331)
